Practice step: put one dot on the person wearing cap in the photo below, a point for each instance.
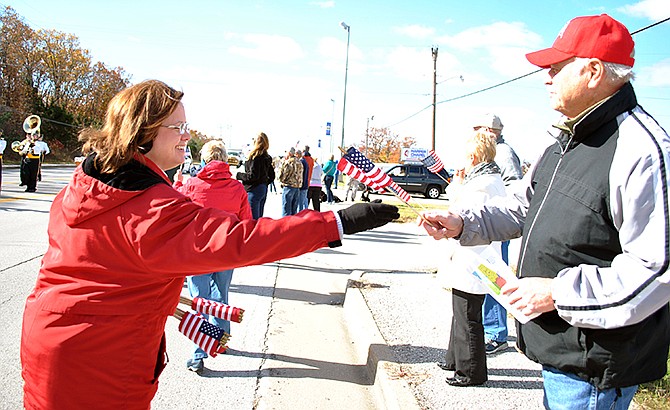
(3, 145)
(594, 215)
(494, 314)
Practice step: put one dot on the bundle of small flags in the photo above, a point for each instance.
(209, 337)
(359, 167)
(218, 309)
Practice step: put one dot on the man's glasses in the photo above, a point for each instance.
(182, 127)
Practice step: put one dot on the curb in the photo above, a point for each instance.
(392, 393)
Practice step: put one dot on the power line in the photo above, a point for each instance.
(506, 82)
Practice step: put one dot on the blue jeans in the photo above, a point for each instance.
(565, 391)
(213, 286)
(494, 315)
(328, 180)
(289, 200)
(303, 202)
(337, 177)
(257, 196)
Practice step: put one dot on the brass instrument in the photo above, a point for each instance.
(17, 146)
(31, 125)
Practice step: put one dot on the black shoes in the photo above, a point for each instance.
(459, 381)
(446, 366)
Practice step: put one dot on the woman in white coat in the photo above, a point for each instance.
(466, 354)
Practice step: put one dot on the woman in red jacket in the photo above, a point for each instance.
(213, 187)
(121, 239)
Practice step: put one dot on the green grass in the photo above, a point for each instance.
(655, 395)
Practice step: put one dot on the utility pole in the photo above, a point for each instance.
(367, 134)
(434, 51)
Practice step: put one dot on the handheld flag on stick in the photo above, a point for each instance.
(359, 167)
(218, 309)
(209, 337)
(434, 164)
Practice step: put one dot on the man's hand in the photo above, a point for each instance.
(530, 295)
(441, 225)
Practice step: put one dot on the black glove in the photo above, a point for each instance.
(361, 217)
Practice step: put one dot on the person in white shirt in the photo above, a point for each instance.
(33, 154)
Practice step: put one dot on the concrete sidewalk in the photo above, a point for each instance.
(399, 316)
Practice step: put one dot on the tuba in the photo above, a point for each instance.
(31, 125)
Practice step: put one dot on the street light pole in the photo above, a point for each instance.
(346, 74)
(332, 117)
(434, 51)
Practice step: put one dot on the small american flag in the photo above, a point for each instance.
(369, 174)
(399, 191)
(218, 309)
(202, 333)
(433, 162)
(359, 167)
(354, 172)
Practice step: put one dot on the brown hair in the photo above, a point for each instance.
(133, 118)
(262, 144)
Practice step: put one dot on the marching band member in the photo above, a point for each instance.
(3, 145)
(32, 156)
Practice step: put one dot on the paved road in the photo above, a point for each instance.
(292, 350)
(357, 327)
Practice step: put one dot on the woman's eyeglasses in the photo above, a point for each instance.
(182, 127)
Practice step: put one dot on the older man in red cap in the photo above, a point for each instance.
(594, 214)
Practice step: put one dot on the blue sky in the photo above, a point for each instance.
(278, 66)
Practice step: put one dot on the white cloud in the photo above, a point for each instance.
(504, 45)
(494, 35)
(323, 4)
(415, 31)
(272, 48)
(657, 75)
(416, 64)
(650, 9)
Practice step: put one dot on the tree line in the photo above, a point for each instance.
(49, 74)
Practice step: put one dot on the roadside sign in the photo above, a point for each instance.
(408, 154)
(328, 128)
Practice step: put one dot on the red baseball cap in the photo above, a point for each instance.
(599, 37)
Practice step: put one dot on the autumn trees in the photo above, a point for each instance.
(48, 73)
(383, 146)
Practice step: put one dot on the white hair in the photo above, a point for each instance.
(615, 72)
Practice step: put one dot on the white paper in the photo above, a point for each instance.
(487, 266)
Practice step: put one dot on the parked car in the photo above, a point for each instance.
(235, 157)
(416, 178)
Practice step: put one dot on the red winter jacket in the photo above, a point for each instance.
(119, 248)
(214, 188)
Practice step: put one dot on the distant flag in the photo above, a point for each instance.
(209, 337)
(433, 162)
(218, 309)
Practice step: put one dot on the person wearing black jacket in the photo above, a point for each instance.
(594, 215)
(258, 173)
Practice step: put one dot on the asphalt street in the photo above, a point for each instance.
(358, 327)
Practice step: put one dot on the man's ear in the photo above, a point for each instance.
(597, 70)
